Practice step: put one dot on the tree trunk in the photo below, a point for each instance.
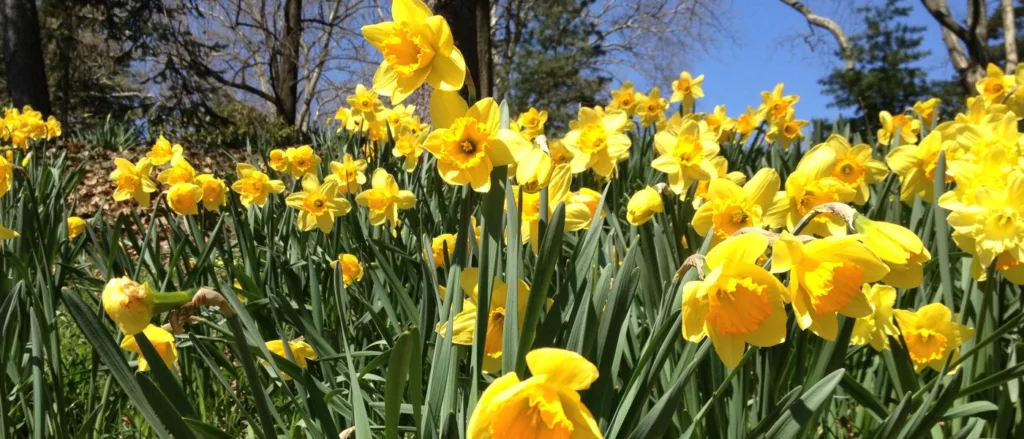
(288, 72)
(462, 17)
(23, 54)
(1009, 36)
(483, 48)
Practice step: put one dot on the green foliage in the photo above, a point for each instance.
(110, 134)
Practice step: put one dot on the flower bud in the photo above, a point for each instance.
(76, 226)
(643, 205)
(129, 304)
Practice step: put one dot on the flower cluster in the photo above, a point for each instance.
(20, 128)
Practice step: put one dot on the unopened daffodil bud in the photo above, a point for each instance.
(533, 172)
(643, 205)
(76, 226)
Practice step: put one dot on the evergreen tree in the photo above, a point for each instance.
(887, 75)
(554, 64)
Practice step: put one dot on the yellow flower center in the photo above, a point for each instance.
(683, 86)
(406, 146)
(302, 163)
(832, 285)
(929, 169)
(531, 207)
(814, 195)
(252, 187)
(537, 414)
(593, 138)
(994, 87)
(531, 120)
(128, 182)
(467, 143)
(378, 200)
(625, 100)
(925, 345)
(738, 307)
(315, 203)
(406, 50)
(731, 217)
(211, 190)
(791, 130)
(688, 150)
(849, 171)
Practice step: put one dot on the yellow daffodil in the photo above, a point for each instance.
(351, 269)
(577, 215)
(651, 108)
(900, 249)
(589, 198)
(6, 176)
(731, 207)
(643, 205)
(932, 335)
(825, 278)
(810, 185)
(163, 151)
(184, 198)
(301, 351)
(349, 174)
(76, 226)
(546, 405)
(253, 186)
(897, 130)
(737, 303)
(625, 99)
(532, 122)
(397, 116)
(464, 327)
(162, 341)
(438, 245)
(384, 199)
(721, 166)
(181, 171)
(6, 233)
(1005, 263)
(747, 122)
(365, 102)
(418, 47)
(855, 166)
(129, 304)
(995, 222)
(343, 115)
(278, 161)
(926, 110)
(133, 181)
(687, 90)
(786, 130)
(597, 141)
(409, 147)
(775, 105)
(876, 328)
(560, 155)
(470, 144)
(302, 161)
(685, 154)
(996, 84)
(534, 171)
(215, 192)
(318, 204)
(915, 164)
(720, 123)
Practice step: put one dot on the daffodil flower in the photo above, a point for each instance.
(384, 199)
(932, 335)
(162, 341)
(133, 181)
(318, 204)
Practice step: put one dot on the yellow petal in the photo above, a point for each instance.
(445, 107)
(565, 369)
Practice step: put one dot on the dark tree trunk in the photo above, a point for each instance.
(23, 55)
(470, 21)
(288, 73)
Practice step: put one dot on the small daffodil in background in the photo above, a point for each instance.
(685, 153)
(915, 165)
(577, 215)
(350, 174)
(546, 405)
(215, 192)
(162, 151)
(597, 141)
(76, 226)
(932, 335)
(253, 186)
(351, 268)
(133, 181)
(318, 204)
(643, 205)
(181, 171)
(162, 341)
(731, 207)
(531, 123)
(876, 328)
(897, 130)
(438, 246)
(687, 90)
(6, 176)
(301, 353)
(184, 198)
(737, 303)
(384, 199)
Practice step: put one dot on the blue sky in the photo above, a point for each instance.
(767, 47)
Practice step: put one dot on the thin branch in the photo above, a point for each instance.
(827, 24)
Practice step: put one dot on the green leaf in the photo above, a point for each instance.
(548, 256)
(205, 431)
(970, 409)
(864, 397)
(398, 371)
(806, 409)
(110, 355)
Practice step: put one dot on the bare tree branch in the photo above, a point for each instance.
(827, 24)
(1009, 35)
